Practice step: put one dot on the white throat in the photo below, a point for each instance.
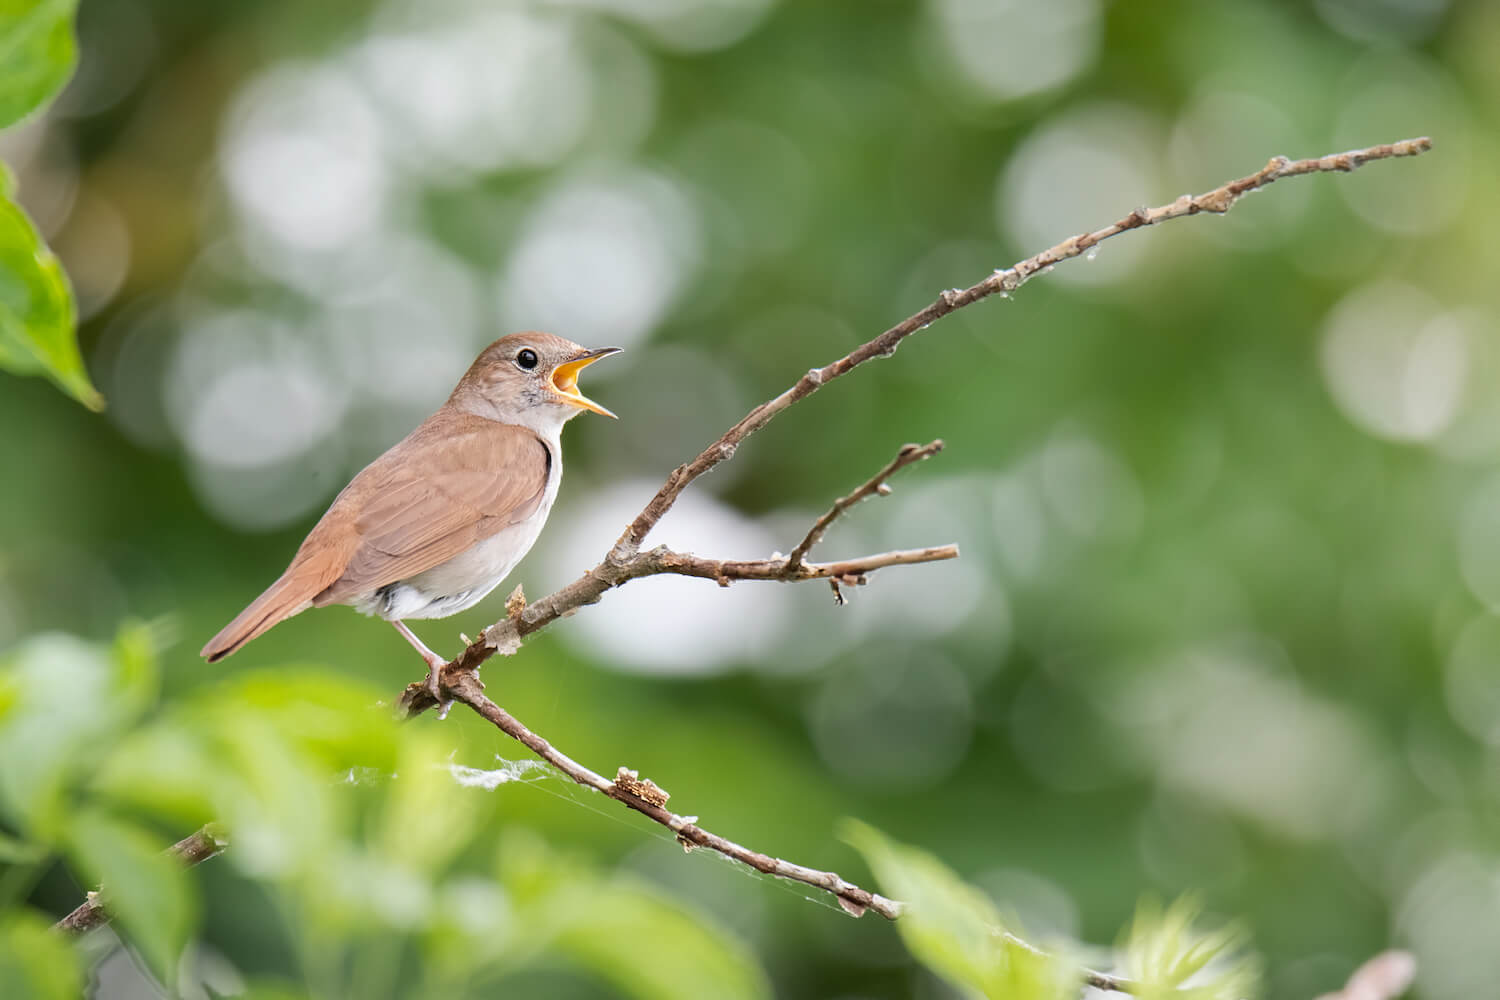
(545, 419)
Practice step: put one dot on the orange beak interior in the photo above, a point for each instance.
(565, 379)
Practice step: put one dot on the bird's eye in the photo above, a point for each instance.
(526, 359)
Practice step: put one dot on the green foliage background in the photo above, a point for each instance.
(1226, 496)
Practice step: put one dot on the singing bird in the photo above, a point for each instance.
(434, 524)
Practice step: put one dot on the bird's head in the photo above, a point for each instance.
(529, 379)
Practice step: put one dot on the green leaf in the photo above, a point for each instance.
(37, 318)
(273, 756)
(19, 852)
(651, 947)
(271, 991)
(954, 929)
(166, 770)
(340, 722)
(427, 817)
(147, 891)
(61, 718)
(1164, 951)
(37, 322)
(37, 54)
(35, 963)
(136, 680)
(644, 943)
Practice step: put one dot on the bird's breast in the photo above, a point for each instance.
(467, 578)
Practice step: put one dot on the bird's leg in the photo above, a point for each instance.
(435, 665)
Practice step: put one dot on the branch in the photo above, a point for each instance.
(1091, 977)
(505, 635)
(1219, 200)
(649, 800)
(191, 850)
(522, 619)
(910, 454)
(616, 568)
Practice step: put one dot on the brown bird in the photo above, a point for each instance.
(434, 524)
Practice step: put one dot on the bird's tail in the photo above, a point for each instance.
(282, 599)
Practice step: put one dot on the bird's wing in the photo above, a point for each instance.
(457, 480)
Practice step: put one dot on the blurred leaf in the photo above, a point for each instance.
(18, 852)
(428, 817)
(283, 808)
(147, 891)
(650, 946)
(35, 963)
(37, 54)
(270, 991)
(341, 721)
(269, 755)
(1163, 951)
(349, 891)
(954, 929)
(474, 924)
(67, 705)
(166, 769)
(10, 692)
(137, 681)
(37, 323)
(644, 943)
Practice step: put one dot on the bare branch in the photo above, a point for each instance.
(521, 619)
(191, 850)
(465, 687)
(1098, 980)
(506, 634)
(1219, 200)
(910, 454)
(618, 565)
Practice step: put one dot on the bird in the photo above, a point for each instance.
(440, 519)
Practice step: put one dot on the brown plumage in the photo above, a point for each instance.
(436, 522)
(418, 505)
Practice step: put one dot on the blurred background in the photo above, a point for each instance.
(1228, 492)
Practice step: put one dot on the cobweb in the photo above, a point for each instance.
(509, 772)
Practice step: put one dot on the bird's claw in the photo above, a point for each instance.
(435, 681)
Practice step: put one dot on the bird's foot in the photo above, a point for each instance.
(435, 665)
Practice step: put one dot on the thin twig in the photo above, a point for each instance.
(465, 687)
(1091, 977)
(506, 634)
(522, 619)
(192, 850)
(910, 454)
(1219, 200)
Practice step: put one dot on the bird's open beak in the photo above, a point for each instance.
(565, 379)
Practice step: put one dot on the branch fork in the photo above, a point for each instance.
(626, 561)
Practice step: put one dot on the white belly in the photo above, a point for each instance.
(467, 578)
